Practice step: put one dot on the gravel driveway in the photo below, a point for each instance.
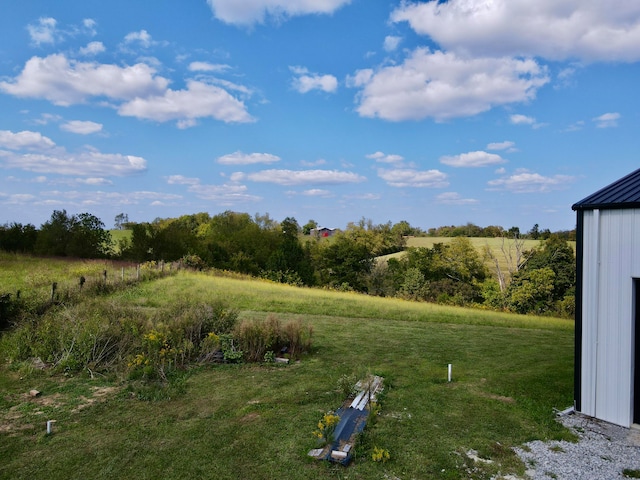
(603, 452)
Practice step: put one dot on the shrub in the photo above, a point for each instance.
(209, 348)
(297, 338)
(194, 262)
(347, 385)
(259, 336)
(230, 351)
(567, 306)
(17, 344)
(102, 336)
(288, 276)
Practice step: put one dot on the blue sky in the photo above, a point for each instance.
(495, 112)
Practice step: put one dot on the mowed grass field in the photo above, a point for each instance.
(255, 421)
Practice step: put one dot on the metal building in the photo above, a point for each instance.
(607, 348)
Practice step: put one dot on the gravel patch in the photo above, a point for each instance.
(603, 452)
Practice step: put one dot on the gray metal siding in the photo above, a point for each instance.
(611, 261)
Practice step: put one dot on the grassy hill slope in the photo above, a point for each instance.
(255, 421)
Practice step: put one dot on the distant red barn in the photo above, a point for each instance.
(323, 232)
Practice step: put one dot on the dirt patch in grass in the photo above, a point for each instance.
(499, 398)
(98, 394)
(27, 408)
(250, 417)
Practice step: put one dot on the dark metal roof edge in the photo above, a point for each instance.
(586, 204)
(604, 206)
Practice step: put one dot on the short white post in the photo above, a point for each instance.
(449, 373)
(49, 423)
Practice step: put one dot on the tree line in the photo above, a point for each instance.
(539, 280)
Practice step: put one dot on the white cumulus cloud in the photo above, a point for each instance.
(26, 140)
(248, 12)
(524, 181)
(443, 85)
(518, 119)
(506, 145)
(607, 120)
(383, 158)
(472, 159)
(225, 194)
(141, 93)
(81, 127)
(317, 192)
(454, 198)
(198, 100)
(391, 43)
(182, 180)
(588, 30)
(305, 81)
(44, 31)
(239, 158)
(409, 177)
(207, 67)
(83, 198)
(305, 177)
(91, 163)
(92, 48)
(142, 38)
(66, 82)
(33, 152)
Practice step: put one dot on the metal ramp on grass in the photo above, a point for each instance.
(353, 418)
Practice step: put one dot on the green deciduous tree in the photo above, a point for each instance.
(290, 262)
(531, 291)
(80, 236)
(307, 227)
(89, 239)
(450, 273)
(343, 262)
(557, 255)
(16, 237)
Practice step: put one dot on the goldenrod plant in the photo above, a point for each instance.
(380, 455)
(326, 427)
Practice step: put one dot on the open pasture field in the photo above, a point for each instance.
(495, 244)
(24, 272)
(117, 236)
(480, 243)
(255, 421)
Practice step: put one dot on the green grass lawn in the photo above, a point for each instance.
(255, 421)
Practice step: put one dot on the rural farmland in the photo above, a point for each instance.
(255, 420)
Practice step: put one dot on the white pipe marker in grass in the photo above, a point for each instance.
(449, 373)
(49, 424)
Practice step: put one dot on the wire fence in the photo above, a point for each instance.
(70, 289)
